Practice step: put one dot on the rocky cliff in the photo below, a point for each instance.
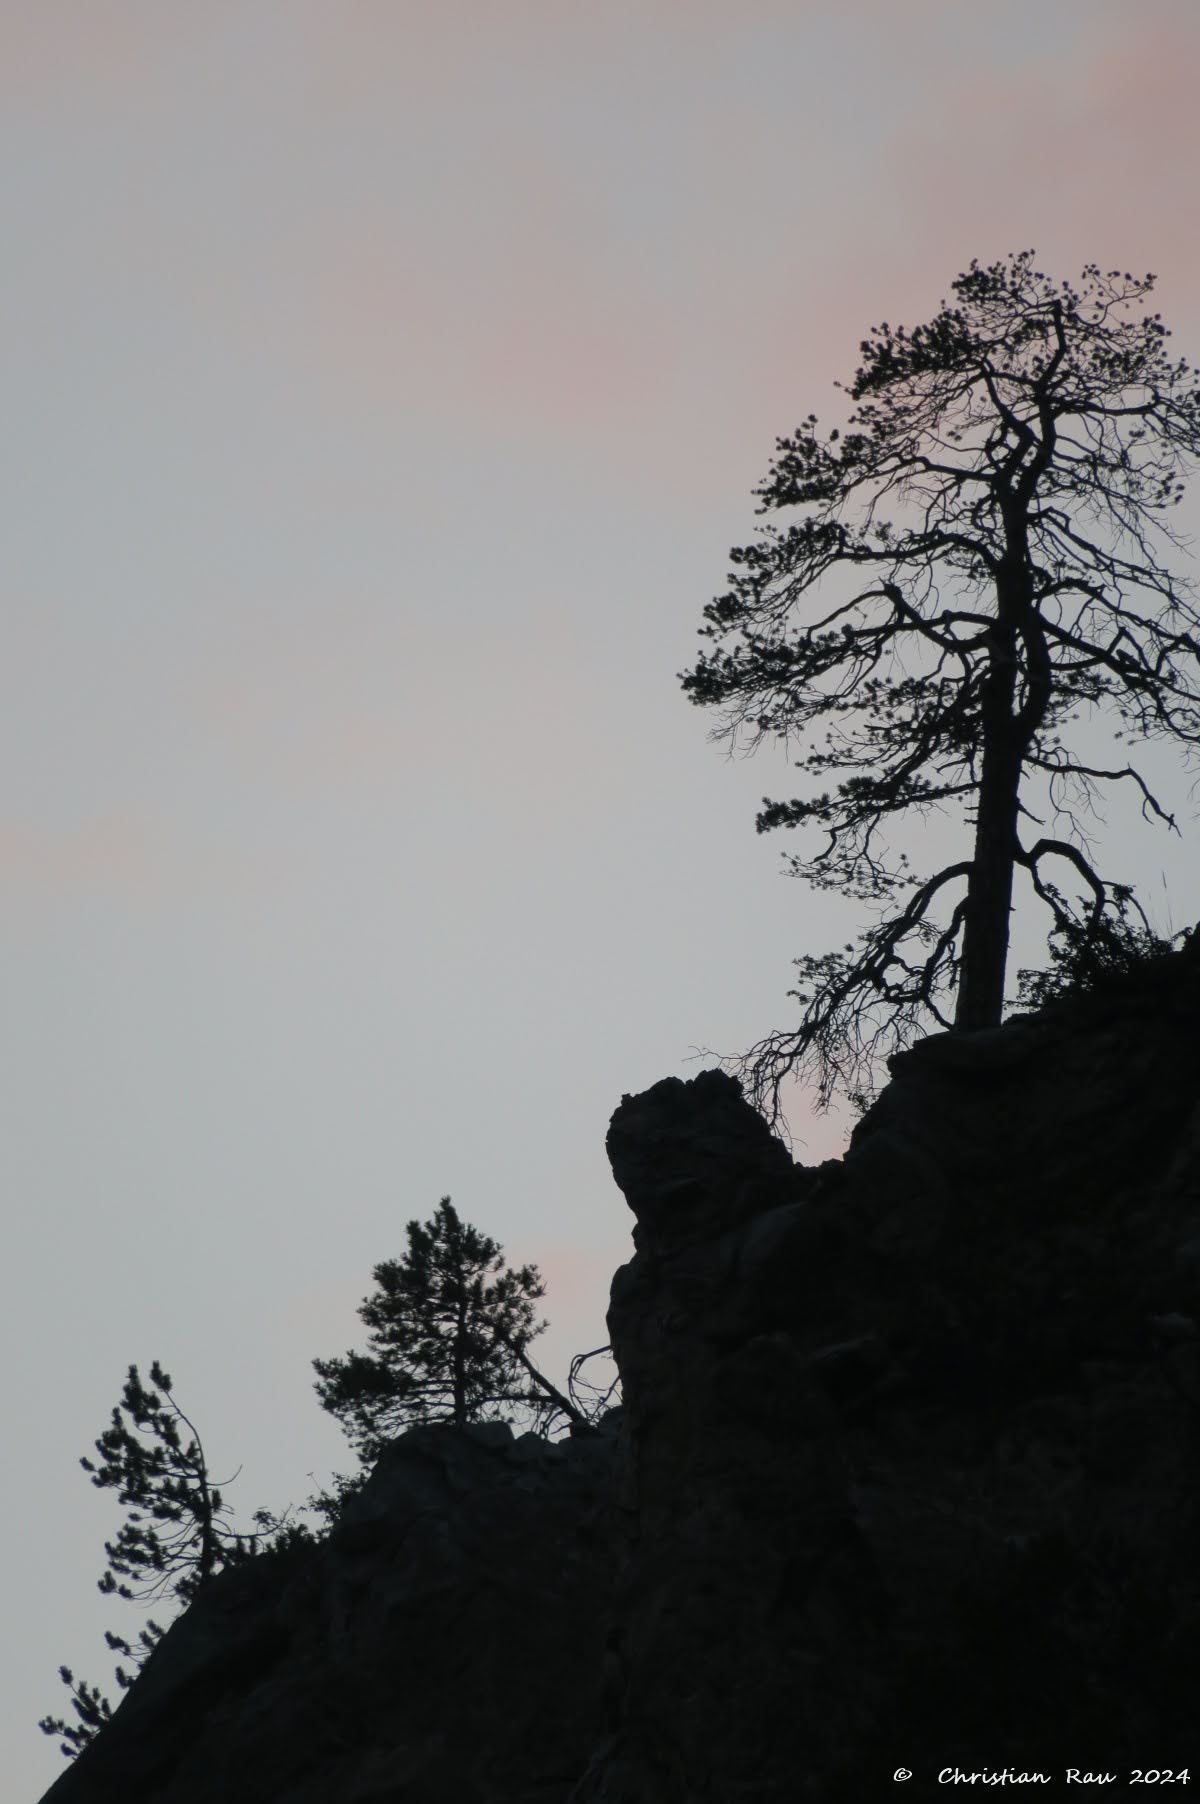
(906, 1477)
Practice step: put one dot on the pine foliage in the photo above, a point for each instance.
(448, 1325)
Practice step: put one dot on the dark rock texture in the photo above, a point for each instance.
(445, 1646)
(907, 1475)
(912, 1442)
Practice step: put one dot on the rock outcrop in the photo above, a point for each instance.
(445, 1644)
(906, 1476)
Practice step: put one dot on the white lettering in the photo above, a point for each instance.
(953, 1775)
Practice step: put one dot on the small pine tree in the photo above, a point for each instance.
(163, 1481)
(91, 1707)
(449, 1324)
(159, 1477)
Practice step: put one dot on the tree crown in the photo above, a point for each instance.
(449, 1324)
(986, 534)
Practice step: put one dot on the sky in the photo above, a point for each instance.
(383, 387)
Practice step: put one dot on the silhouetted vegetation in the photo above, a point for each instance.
(994, 513)
(175, 1537)
(1112, 954)
(449, 1324)
(166, 1482)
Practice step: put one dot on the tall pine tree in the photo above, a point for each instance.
(974, 561)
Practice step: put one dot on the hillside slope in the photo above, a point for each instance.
(906, 1476)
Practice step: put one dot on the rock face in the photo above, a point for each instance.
(912, 1447)
(907, 1476)
(445, 1644)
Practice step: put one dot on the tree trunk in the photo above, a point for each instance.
(989, 886)
(460, 1359)
(208, 1539)
(564, 1403)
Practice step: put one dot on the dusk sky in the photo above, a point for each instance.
(384, 385)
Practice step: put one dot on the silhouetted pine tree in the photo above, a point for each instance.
(985, 537)
(449, 1327)
(174, 1539)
